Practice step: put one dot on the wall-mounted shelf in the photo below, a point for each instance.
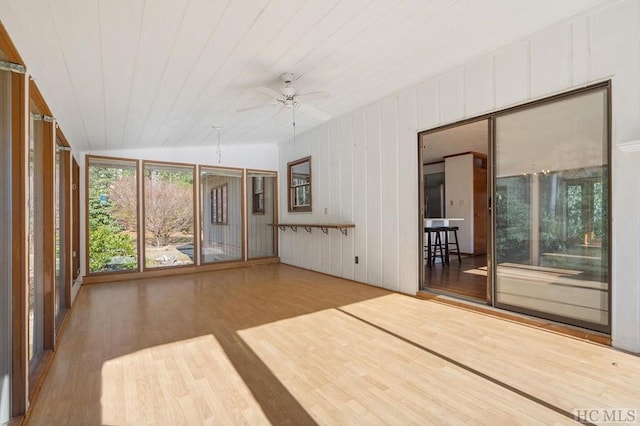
(342, 227)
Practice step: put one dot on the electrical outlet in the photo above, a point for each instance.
(357, 260)
(325, 210)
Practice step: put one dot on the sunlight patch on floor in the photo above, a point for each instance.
(194, 378)
(345, 371)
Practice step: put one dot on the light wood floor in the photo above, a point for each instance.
(281, 345)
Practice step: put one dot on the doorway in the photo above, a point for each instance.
(528, 191)
(454, 204)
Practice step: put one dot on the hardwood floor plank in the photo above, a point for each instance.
(280, 345)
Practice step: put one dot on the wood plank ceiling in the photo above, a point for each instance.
(160, 73)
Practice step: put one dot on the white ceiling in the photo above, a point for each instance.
(149, 73)
(471, 137)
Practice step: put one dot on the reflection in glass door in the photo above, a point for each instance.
(221, 226)
(262, 213)
(551, 210)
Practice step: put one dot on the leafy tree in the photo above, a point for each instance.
(109, 244)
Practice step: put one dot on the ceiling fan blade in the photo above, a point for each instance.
(282, 116)
(251, 108)
(306, 97)
(269, 92)
(314, 112)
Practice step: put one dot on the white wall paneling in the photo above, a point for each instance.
(335, 195)
(389, 193)
(603, 43)
(346, 193)
(360, 185)
(551, 61)
(452, 100)
(408, 176)
(374, 196)
(512, 75)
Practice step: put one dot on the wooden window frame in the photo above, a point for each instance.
(292, 188)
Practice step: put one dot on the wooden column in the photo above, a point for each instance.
(20, 362)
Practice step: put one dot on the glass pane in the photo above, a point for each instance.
(300, 173)
(60, 253)
(262, 233)
(221, 214)
(301, 196)
(35, 242)
(113, 215)
(551, 210)
(168, 210)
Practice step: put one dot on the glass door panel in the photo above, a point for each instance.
(551, 205)
(221, 225)
(35, 241)
(261, 210)
(61, 253)
(169, 215)
(112, 214)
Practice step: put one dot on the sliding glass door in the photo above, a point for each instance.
(169, 238)
(551, 209)
(221, 225)
(262, 214)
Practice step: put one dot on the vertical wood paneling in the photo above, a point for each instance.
(551, 61)
(580, 51)
(429, 104)
(452, 106)
(360, 188)
(389, 189)
(346, 156)
(479, 90)
(614, 48)
(374, 200)
(512, 74)
(322, 172)
(335, 177)
(407, 191)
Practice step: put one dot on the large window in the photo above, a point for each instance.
(61, 184)
(112, 214)
(299, 182)
(551, 209)
(262, 230)
(221, 215)
(36, 329)
(169, 215)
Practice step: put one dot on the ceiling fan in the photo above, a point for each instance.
(288, 99)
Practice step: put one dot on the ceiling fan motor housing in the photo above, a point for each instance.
(286, 78)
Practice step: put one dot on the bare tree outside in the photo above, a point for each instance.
(169, 215)
(168, 208)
